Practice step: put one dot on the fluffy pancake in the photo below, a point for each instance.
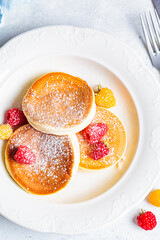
(57, 160)
(115, 139)
(59, 103)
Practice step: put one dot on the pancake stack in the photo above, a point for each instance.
(115, 138)
(57, 160)
(60, 104)
(58, 107)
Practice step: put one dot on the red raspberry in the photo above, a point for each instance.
(15, 117)
(24, 155)
(99, 150)
(147, 220)
(94, 132)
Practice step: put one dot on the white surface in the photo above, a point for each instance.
(22, 60)
(119, 18)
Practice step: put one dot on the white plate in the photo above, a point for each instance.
(93, 199)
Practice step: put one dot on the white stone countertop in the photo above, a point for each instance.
(119, 18)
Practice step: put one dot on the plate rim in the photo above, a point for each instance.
(128, 50)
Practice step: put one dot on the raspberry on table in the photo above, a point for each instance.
(105, 98)
(5, 131)
(94, 132)
(99, 150)
(15, 117)
(154, 198)
(147, 220)
(24, 155)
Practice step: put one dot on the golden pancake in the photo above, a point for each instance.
(59, 103)
(115, 139)
(57, 160)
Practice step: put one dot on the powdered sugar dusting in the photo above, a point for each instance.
(58, 101)
(54, 160)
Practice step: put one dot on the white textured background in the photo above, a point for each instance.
(119, 18)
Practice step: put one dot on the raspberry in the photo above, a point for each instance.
(105, 98)
(94, 132)
(147, 220)
(5, 131)
(15, 117)
(154, 198)
(99, 150)
(24, 155)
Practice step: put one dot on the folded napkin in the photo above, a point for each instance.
(4, 4)
(1, 15)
